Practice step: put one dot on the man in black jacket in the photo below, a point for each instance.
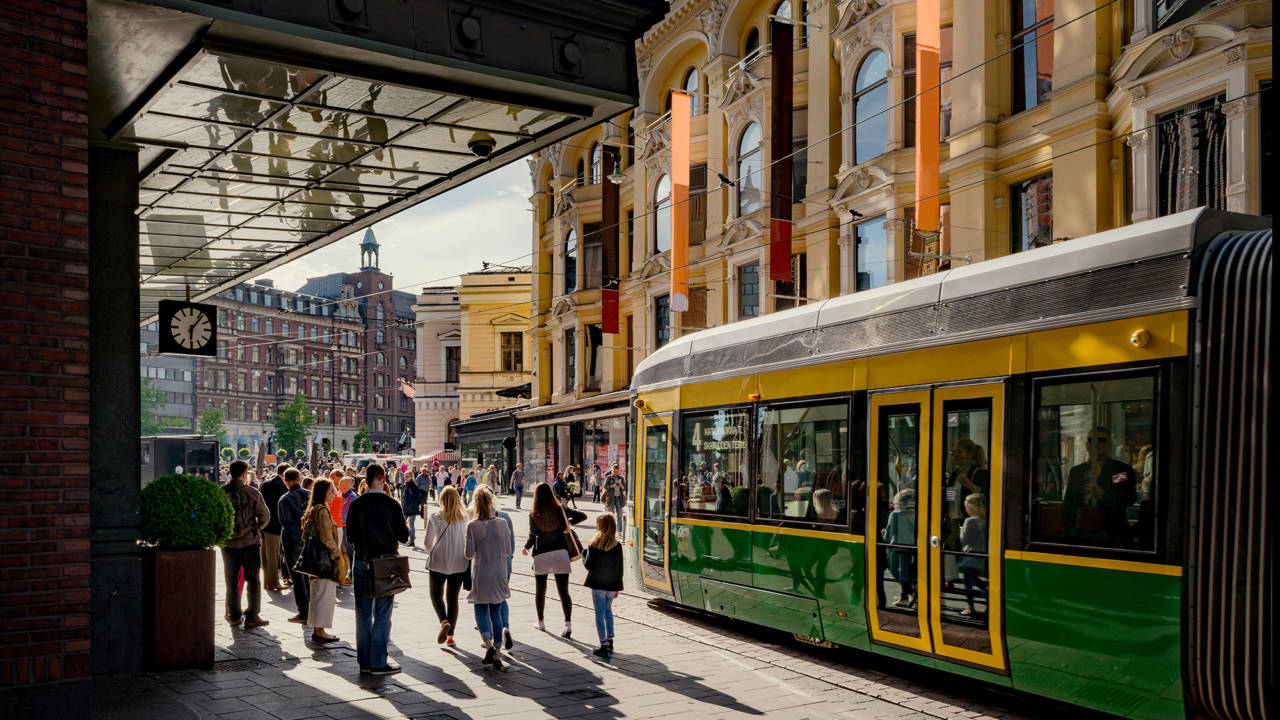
(293, 505)
(272, 490)
(376, 526)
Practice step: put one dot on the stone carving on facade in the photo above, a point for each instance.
(1181, 43)
(742, 113)
(709, 19)
(643, 64)
(654, 152)
(1239, 105)
(737, 230)
(1138, 92)
(563, 306)
(739, 84)
(1233, 54)
(1137, 140)
(654, 266)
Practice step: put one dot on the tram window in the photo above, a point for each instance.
(804, 464)
(714, 478)
(1095, 462)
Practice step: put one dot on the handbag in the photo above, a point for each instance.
(314, 560)
(389, 575)
(571, 541)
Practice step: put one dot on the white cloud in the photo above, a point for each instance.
(431, 244)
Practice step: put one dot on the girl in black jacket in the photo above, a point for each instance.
(603, 561)
(550, 554)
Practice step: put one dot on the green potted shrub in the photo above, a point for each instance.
(244, 453)
(299, 453)
(228, 453)
(741, 497)
(183, 518)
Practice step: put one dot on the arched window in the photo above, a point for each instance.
(378, 312)
(752, 42)
(662, 215)
(783, 9)
(750, 180)
(870, 108)
(571, 261)
(692, 87)
(581, 173)
(595, 165)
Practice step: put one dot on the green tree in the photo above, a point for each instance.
(152, 400)
(211, 424)
(360, 443)
(293, 425)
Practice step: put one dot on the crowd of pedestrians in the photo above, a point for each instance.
(337, 525)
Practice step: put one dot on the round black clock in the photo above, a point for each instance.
(188, 328)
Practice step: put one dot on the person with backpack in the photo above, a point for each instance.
(242, 552)
(603, 560)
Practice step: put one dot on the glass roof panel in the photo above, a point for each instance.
(147, 197)
(275, 167)
(439, 137)
(191, 201)
(184, 243)
(204, 104)
(192, 157)
(310, 212)
(374, 97)
(183, 130)
(258, 234)
(332, 196)
(417, 160)
(341, 124)
(304, 225)
(251, 76)
(381, 178)
(200, 224)
(497, 118)
(245, 247)
(286, 145)
(221, 186)
(163, 181)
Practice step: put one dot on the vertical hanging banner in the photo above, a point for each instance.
(680, 140)
(928, 113)
(609, 255)
(780, 142)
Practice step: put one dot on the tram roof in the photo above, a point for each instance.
(1139, 268)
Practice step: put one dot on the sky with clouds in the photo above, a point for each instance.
(487, 219)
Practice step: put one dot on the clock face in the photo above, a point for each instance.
(191, 328)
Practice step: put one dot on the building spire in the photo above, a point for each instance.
(369, 252)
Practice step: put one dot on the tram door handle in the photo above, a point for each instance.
(934, 541)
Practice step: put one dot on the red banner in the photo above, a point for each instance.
(780, 149)
(609, 254)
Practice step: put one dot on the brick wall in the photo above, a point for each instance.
(44, 361)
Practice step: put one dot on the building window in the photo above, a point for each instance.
(873, 254)
(284, 328)
(512, 345)
(1193, 157)
(571, 261)
(378, 312)
(596, 164)
(909, 87)
(804, 23)
(661, 321)
(1031, 213)
(452, 363)
(752, 42)
(750, 198)
(749, 291)
(570, 360)
(870, 108)
(253, 324)
(595, 338)
(1032, 53)
(581, 174)
(791, 294)
(716, 454)
(803, 458)
(692, 87)
(592, 255)
(662, 215)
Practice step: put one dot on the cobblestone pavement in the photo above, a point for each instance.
(668, 664)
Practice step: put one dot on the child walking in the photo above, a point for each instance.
(603, 561)
(973, 539)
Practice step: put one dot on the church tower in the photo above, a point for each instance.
(369, 252)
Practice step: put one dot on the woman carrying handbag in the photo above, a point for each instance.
(445, 540)
(554, 547)
(318, 526)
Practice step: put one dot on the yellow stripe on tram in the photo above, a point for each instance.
(798, 532)
(1100, 563)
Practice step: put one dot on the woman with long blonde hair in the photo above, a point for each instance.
(603, 561)
(446, 538)
(488, 547)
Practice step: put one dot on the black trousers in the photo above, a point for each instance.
(248, 559)
(562, 589)
(444, 596)
(301, 583)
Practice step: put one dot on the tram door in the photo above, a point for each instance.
(651, 503)
(933, 523)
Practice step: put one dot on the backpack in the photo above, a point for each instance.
(244, 510)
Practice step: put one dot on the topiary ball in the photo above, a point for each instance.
(185, 512)
(228, 452)
(244, 453)
(740, 498)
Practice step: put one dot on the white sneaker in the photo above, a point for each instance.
(568, 630)
(540, 626)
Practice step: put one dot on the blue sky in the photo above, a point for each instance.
(488, 219)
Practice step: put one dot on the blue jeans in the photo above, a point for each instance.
(490, 619)
(373, 620)
(519, 494)
(412, 518)
(603, 601)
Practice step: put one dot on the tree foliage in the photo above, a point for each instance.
(152, 400)
(211, 424)
(360, 443)
(293, 425)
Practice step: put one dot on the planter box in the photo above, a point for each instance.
(179, 612)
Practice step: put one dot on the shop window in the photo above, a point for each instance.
(870, 108)
(1032, 53)
(873, 254)
(803, 463)
(750, 195)
(1031, 213)
(512, 345)
(1193, 157)
(714, 477)
(749, 291)
(1094, 481)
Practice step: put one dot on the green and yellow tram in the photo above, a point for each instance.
(1046, 471)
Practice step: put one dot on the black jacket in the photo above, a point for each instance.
(375, 525)
(550, 540)
(272, 490)
(292, 506)
(604, 568)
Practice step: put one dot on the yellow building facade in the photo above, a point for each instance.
(1060, 118)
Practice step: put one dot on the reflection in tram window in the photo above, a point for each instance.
(1095, 463)
(803, 473)
(713, 461)
(655, 471)
(966, 487)
(897, 520)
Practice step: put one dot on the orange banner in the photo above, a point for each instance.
(928, 113)
(680, 108)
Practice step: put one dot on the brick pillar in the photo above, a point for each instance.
(44, 360)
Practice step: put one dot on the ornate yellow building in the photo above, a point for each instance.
(1060, 118)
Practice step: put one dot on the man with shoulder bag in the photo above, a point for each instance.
(376, 526)
(242, 551)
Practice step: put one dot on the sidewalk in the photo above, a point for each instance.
(667, 665)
